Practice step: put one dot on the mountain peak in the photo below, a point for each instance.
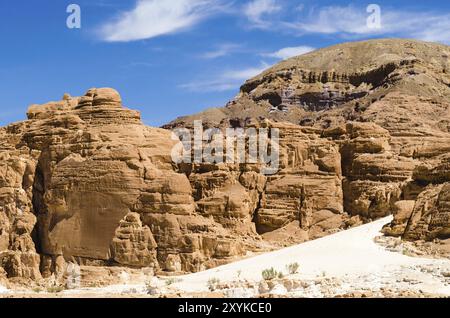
(340, 83)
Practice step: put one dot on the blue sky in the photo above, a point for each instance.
(170, 58)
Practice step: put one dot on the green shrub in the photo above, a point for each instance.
(37, 289)
(293, 268)
(172, 281)
(55, 289)
(270, 273)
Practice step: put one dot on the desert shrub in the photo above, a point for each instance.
(131, 291)
(172, 281)
(270, 273)
(55, 289)
(37, 289)
(213, 284)
(293, 268)
(94, 285)
(152, 286)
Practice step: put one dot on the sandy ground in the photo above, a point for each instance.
(349, 261)
(351, 255)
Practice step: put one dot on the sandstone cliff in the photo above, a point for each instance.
(364, 133)
(83, 180)
(385, 104)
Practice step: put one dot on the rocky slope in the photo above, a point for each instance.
(364, 133)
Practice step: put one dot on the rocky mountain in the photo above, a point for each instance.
(364, 133)
(397, 95)
(357, 81)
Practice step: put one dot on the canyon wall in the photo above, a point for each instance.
(82, 180)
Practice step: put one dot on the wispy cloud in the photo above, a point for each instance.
(438, 31)
(258, 10)
(351, 21)
(288, 52)
(331, 20)
(152, 18)
(221, 50)
(226, 81)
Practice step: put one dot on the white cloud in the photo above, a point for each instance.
(439, 30)
(152, 18)
(288, 52)
(246, 73)
(222, 50)
(226, 81)
(335, 19)
(352, 21)
(257, 10)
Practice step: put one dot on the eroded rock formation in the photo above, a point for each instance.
(384, 104)
(364, 133)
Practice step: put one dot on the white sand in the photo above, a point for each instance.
(3, 290)
(351, 253)
(351, 256)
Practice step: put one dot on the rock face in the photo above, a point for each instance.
(363, 133)
(308, 186)
(18, 255)
(84, 181)
(106, 191)
(384, 104)
(427, 219)
(134, 244)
